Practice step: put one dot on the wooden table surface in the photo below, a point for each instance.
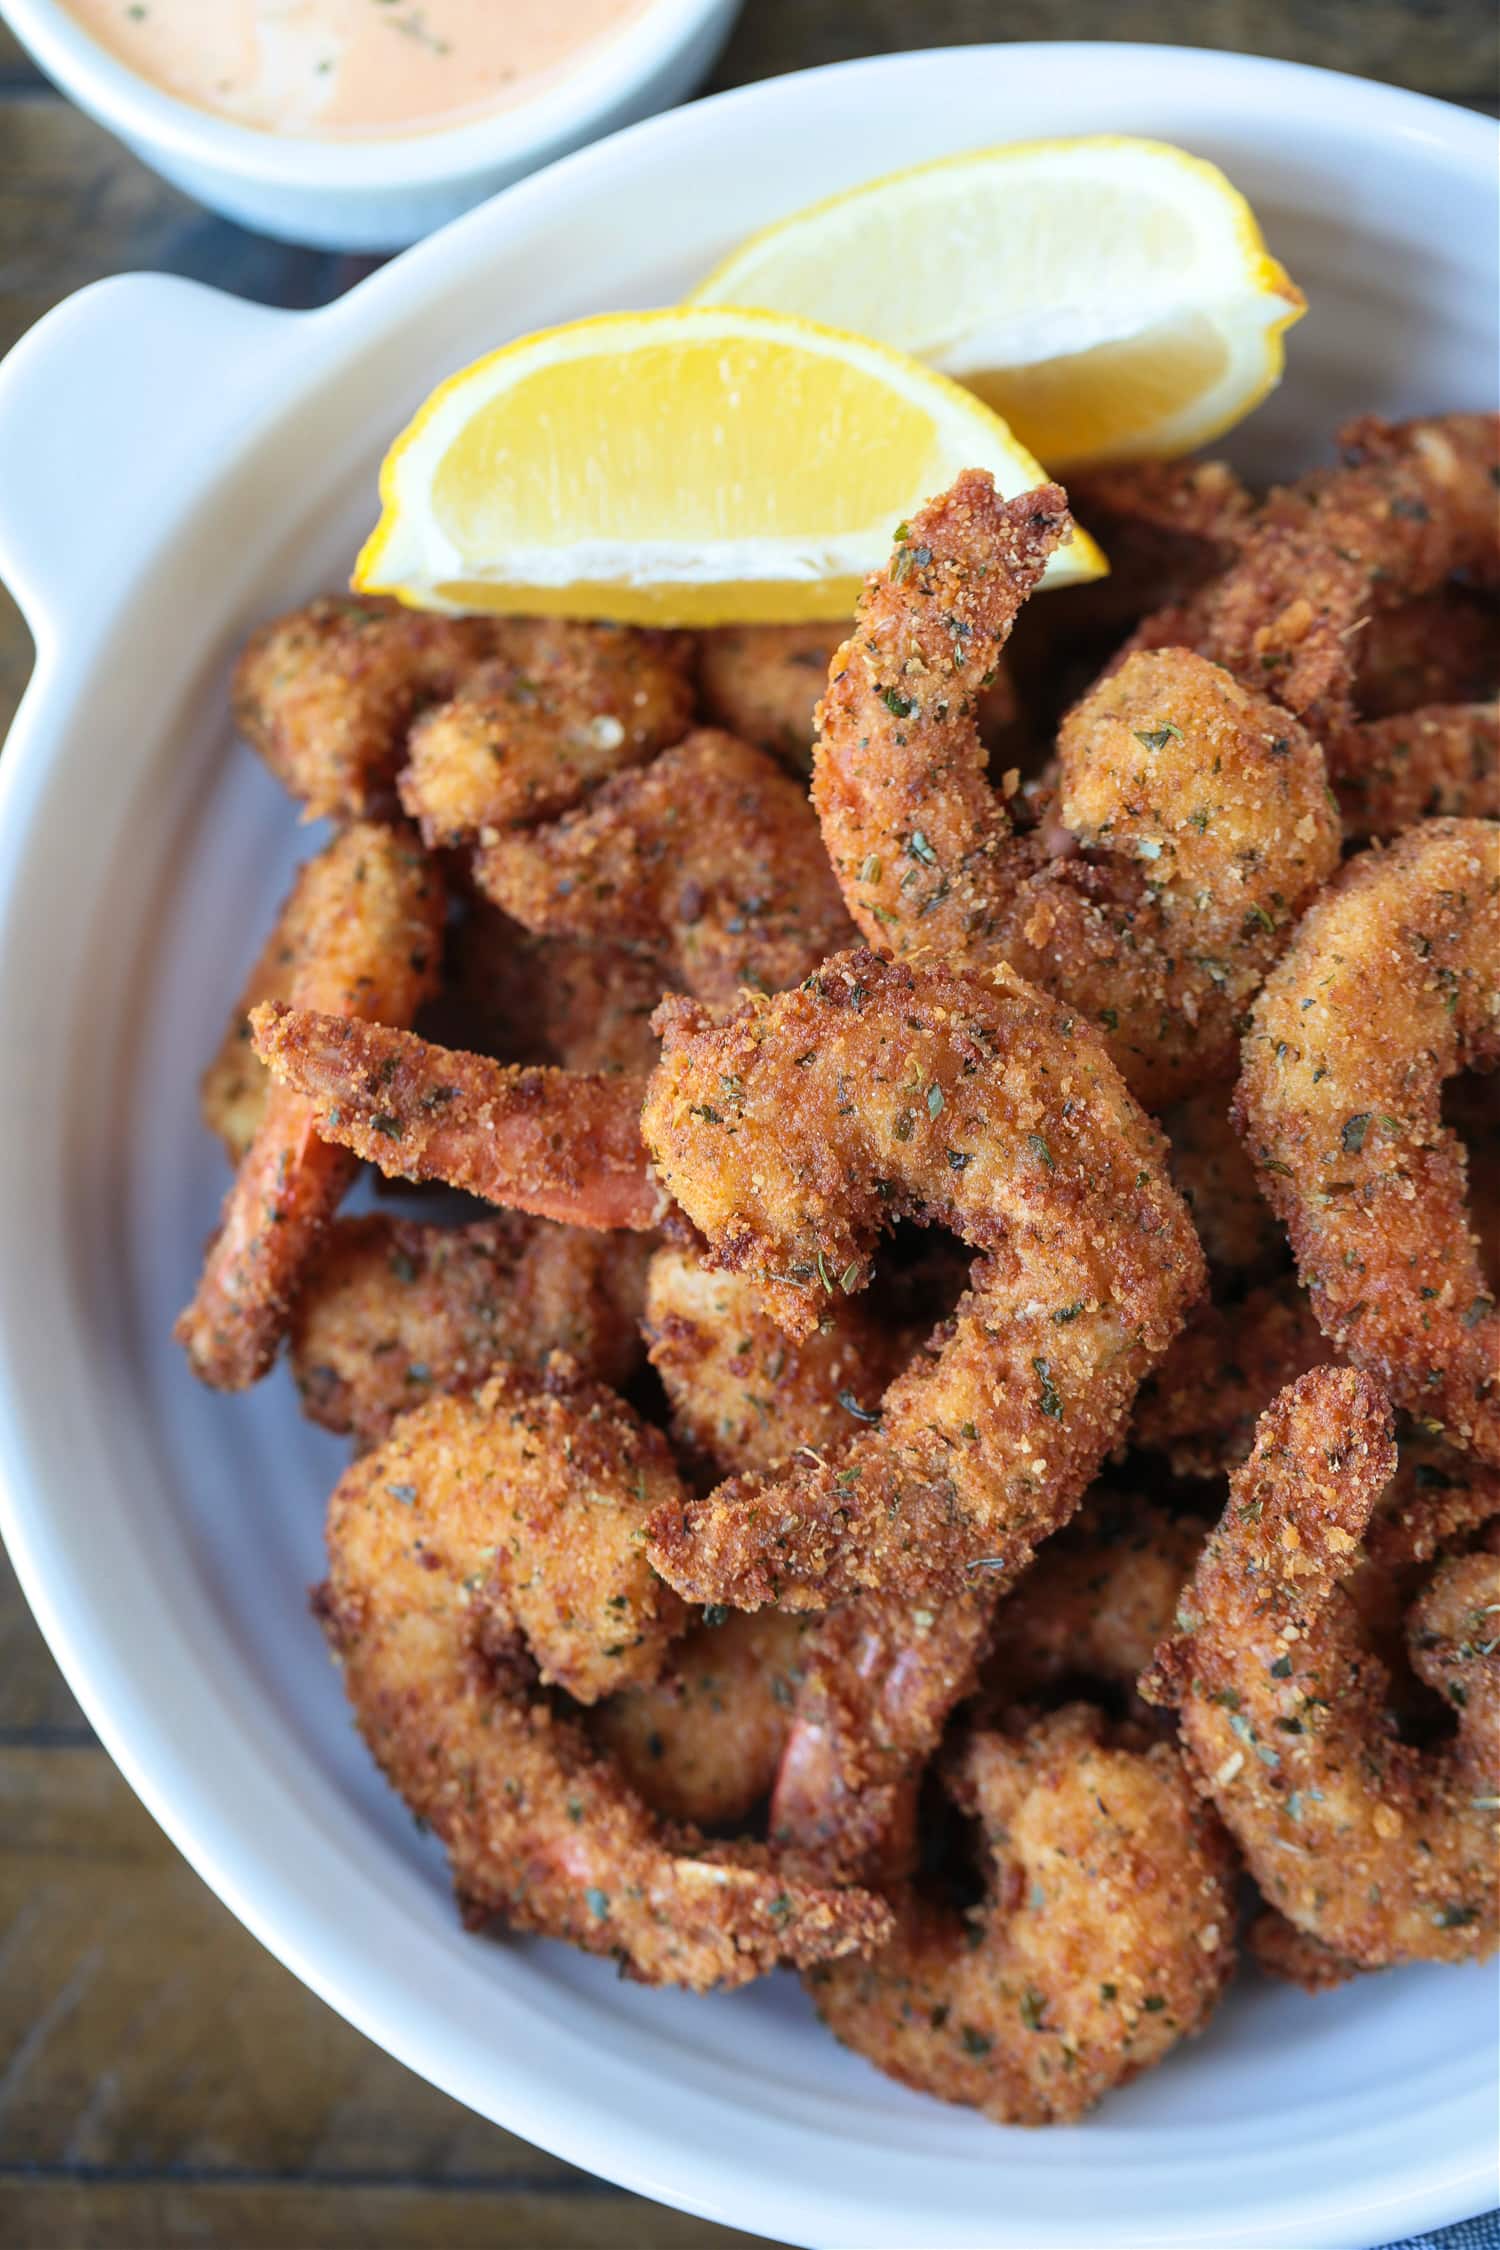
(162, 2079)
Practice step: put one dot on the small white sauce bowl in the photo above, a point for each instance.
(377, 194)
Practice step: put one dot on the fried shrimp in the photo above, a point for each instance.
(558, 1144)
(1410, 505)
(1216, 1180)
(524, 739)
(1441, 761)
(326, 694)
(793, 1135)
(514, 1514)
(1202, 809)
(1097, 1600)
(745, 1396)
(393, 1313)
(1391, 986)
(1382, 1851)
(1106, 1937)
(365, 925)
(704, 1740)
(1165, 525)
(707, 860)
(763, 683)
(1200, 1407)
(576, 1005)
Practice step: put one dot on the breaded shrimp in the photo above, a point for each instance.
(522, 740)
(745, 1396)
(1216, 1180)
(1442, 761)
(881, 1676)
(326, 694)
(1205, 807)
(703, 1741)
(365, 920)
(763, 683)
(1200, 1406)
(793, 1135)
(1382, 1851)
(1411, 504)
(393, 1313)
(708, 860)
(1442, 647)
(581, 1006)
(558, 1144)
(1391, 986)
(1106, 1937)
(1097, 1600)
(477, 1521)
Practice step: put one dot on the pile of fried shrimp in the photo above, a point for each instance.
(935, 1416)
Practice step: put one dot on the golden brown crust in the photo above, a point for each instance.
(1381, 1851)
(762, 683)
(554, 1143)
(1282, 1950)
(1216, 1180)
(708, 860)
(326, 693)
(1205, 808)
(1097, 1599)
(793, 1135)
(366, 918)
(1391, 986)
(425, 1595)
(702, 1743)
(524, 739)
(745, 1395)
(1200, 1406)
(393, 1312)
(1107, 1935)
(576, 1004)
(1441, 761)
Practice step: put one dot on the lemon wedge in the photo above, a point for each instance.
(1112, 298)
(691, 467)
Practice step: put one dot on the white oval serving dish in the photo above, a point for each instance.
(381, 193)
(177, 465)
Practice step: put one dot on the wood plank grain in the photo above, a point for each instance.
(93, 2214)
(143, 2030)
(36, 1706)
(1447, 47)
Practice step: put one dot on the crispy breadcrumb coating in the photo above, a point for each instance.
(1391, 986)
(365, 924)
(394, 1312)
(797, 1132)
(447, 1543)
(1106, 1937)
(1383, 1851)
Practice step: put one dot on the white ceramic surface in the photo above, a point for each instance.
(176, 465)
(377, 194)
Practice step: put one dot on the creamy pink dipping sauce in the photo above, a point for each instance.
(353, 69)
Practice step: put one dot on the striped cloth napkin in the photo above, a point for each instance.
(1481, 2233)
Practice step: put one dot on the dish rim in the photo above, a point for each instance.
(1445, 2190)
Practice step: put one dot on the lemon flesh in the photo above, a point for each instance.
(696, 467)
(1112, 298)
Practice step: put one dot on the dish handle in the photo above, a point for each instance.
(97, 403)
